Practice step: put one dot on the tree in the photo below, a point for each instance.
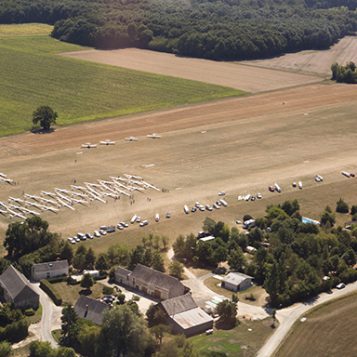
(70, 327)
(176, 269)
(44, 115)
(155, 316)
(327, 218)
(102, 263)
(158, 262)
(342, 206)
(227, 311)
(236, 260)
(5, 349)
(26, 237)
(87, 281)
(158, 331)
(123, 333)
(90, 259)
(41, 349)
(67, 253)
(353, 210)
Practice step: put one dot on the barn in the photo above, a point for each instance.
(185, 317)
(16, 289)
(151, 282)
(237, 281)
(49, 270)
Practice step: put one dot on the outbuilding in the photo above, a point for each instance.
(185, 317)
(90, 309)
(49, 270)
(237, 281)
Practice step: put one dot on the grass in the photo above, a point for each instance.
(70, 293)
(34, 74)
(21, 352)
(236, 342)
(258, 292)
(57, 334)
(330, 330)
(36, 317)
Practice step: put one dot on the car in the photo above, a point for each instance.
(138, 219)
(219, 203)
(209, 208)
(111, 229)
(103, 232)
(89, 236)
(238, 221)
(221, 193)
(168, 215)
(201, 208)
(120, 227)
(69, 239)
(125, 225)
(73, 241)
(97, 234)
(80, 235)
(103, 228)
(259, 196)
(193, 209)
(77, 240)
(340, 286)
(143, 223)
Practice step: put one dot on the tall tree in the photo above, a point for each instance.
(44, 115)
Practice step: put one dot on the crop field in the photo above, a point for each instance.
(33, 74)
(318, 62)
(239, 145)
(247, 78)
(329, 330)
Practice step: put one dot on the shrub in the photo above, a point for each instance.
(5, 349)
(354, 217)
(107, 290)
(342, 206)
(136, 298)
(29, 312)
(15, 332)
(46, 286)
(353, 210)
(247, 217)
(58, 279)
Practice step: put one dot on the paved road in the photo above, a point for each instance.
(201, 294)
(51, 318)
(289, 315)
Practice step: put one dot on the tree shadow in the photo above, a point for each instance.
(85, 292)
(42, 131)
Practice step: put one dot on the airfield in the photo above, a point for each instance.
(239, 146)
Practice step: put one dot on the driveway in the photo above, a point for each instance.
(289, 315)
(50, 320)
(201, 294)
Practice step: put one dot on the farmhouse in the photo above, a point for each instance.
(151, 282)
(185, 316)
(236, 281)
(90, 309)
(17, 289)
(49, 270)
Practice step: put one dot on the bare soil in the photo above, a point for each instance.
(237, 145)
(318, 62)
(226, 74)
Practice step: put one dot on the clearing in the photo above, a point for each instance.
(330, 330)
(239, 145)
(33, 74)
(318, 62)
(226, 74)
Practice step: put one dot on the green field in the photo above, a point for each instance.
(33, 74)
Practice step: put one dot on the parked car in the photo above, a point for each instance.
(111, 229)
(103, 232)
(97, 234)
(340, 286)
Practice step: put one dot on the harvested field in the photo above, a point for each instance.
(329, 330)
(318, 62)
(222, 73)
(237, 145)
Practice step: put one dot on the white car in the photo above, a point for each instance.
(96, 234)
(103, 232)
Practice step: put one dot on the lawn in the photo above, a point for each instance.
(33, 74)
(36, 317)
(258, 292)
(70, 293)
(330, 330)
(244, 340)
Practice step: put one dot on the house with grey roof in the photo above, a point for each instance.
(49, 270)
(90, 309)
(185, 317)
(237, 281)
(17, 290)
(151, 282)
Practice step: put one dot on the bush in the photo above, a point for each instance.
(5, 349)
(353, 210)
(136, 298)
(29, 312)
(107, 290)
(342, 206)
(250, 297)
(58, 279)
(354, 217)
(15, 332)
(46, 286)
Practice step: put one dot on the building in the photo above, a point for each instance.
(16, 289)
(151, 282)
(49, 270)
(185, 317)
(236, 281)
(90, 309)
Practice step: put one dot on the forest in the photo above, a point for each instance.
(215, 29)
(293, 261)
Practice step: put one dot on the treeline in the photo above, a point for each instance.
(216, 29)
(293, 260)
(344, 74)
